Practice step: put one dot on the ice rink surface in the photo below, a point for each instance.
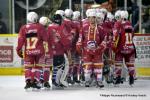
(12, 88)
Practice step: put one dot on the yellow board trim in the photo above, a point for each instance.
(20, 71)
(12, 71)
(8, 35)
(143, 71)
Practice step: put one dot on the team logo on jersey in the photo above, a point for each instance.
(91, 45)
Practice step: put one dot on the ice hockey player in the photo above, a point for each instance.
(75, 68)
(70, 28)
(92, 41)
(123, 45)
(30, 43)
(59, 44)
(67, 22)
(86, 21)
(107, 26)
(117, 30)
(45, 74)
(128, 50)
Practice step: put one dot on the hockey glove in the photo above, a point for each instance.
(20, 53)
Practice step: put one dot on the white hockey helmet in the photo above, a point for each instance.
(92, 14)
(88, 11)
(60, 12)
(118, 15)
(103, 10)
(124, 14)
(44, 20)
(68, 13)
(76, 15)
(32, 17)
(110, 16)
(100, 17)
(98, 10)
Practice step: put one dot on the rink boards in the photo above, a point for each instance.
(142, 71)
(11, 64)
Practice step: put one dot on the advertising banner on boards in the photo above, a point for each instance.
(8, 55)
(142, 44)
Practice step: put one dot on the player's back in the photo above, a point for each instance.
(68, 24)
(126, 39)
(127, 26)
(85, 21)
(128, 32)
(34, 34)
(77, 25)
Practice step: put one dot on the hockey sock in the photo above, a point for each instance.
(87, 74)
(36, 72)
(75, 74)
(118, 71)
(98, 72)
(46, 74)
(131, 71)
(28, 73)
(42, 77)
(54, 74)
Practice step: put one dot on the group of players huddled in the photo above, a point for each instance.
(76, 51)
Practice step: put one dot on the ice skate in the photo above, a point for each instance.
(36, 86)
(64, 83)
(57, 86)
(122, 80)
(87, 84)
(131, 80)
(76, 80)
(100, 84)
(70, 81)
(47, 85)
(117, 80)
(28, 85)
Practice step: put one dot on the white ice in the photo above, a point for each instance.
(12, 88)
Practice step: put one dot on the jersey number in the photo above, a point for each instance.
(128, 38)
(31, 42)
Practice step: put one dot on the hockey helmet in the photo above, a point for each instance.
(76, 15)
(68, 13)
(100, 17)
(110, 16)
(32, 17)
(57, 19)
(92, 14)
(118, 15)
(103, 10)
(89, 10)
(124, 14)
(60, 12)
(44, 20)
